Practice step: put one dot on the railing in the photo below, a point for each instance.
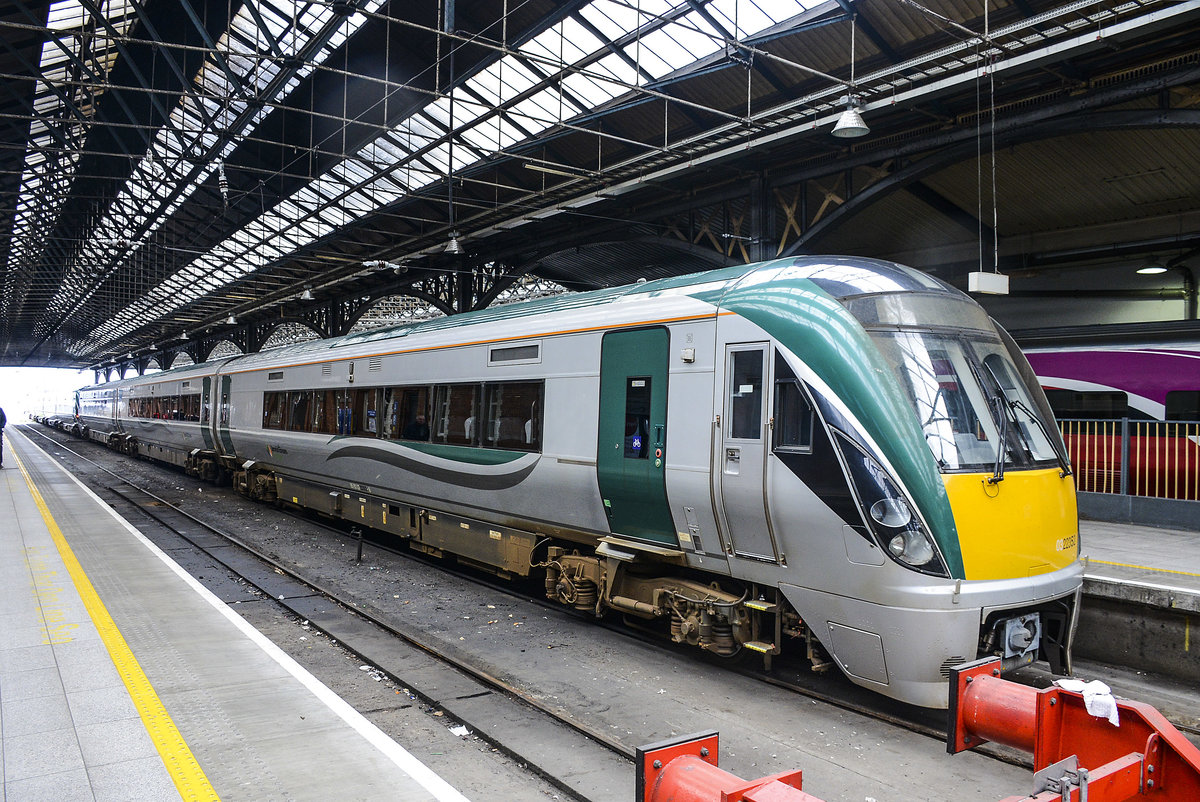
(1160, 459)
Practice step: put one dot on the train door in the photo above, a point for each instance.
(742, 455)
(631, 448)
(206, 412)
(223, 415)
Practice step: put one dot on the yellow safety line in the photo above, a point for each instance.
(186, 773)
(1143, 567)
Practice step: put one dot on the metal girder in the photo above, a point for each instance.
(1008, 132)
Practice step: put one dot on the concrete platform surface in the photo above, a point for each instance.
(1143, 563)
(121, 677)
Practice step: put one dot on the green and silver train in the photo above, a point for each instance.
(834, 454)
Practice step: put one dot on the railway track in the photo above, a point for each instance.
(789, 676)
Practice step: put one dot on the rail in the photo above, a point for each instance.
(1154, 458)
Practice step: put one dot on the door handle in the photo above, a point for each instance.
(733, 455)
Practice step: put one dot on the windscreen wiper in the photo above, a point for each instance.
(999, 402)
(1015, 404)
(1004, 413)
(1063, 464)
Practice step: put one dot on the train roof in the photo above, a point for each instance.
(842, 277)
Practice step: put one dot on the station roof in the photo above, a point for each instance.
(168, 164)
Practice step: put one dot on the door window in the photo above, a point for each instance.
(637, 417)
(745, 395)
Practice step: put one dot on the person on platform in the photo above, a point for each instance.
(3, 421)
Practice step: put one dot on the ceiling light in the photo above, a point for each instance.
(1152, 267)
(231, 321)
(850, 125)
(395, 267)
(306, 295)
(452, 247)
(552, 171)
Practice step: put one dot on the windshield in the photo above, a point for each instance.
(968, 396)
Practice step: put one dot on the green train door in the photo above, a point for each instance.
(632, 444)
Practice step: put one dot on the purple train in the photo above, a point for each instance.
(1156, 386)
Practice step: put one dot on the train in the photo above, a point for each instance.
(839, 456)
(1129, 413)
(1138, 380)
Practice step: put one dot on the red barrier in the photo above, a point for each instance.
(1075, 755)
(685, 770)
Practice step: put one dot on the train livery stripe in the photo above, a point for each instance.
(989, 514)
(475, 479)
(493, 341)
(177, 757)
(814, 325)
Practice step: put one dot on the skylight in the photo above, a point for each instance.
(606, 50)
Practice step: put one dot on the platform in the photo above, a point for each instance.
(122, 678)
(1142, 563)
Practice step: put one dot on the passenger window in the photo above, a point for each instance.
(1092, 405)
(365, 423)
(324, 413)
(745, 380)
(298, 403)
(414, 413)
(273, 410)
(1183, 405)
(637, 417)
(389, 407)
(793, 422)
(457, 414)
(511, 414)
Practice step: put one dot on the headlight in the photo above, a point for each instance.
(891, 512)
(890, 516)
(911, 547)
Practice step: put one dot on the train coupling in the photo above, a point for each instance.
(1076, 755)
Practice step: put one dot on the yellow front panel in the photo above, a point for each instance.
(1025, 525)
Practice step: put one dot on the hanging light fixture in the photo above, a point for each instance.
(306, 295)
(851, 125)
(231, 321)
(1152, 267)
(453, 247)
(222, 183)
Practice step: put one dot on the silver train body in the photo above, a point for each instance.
(802, 451)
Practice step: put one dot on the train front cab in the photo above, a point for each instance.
(954, 548)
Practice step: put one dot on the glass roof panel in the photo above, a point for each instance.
(617, 67)
(678, 45)
(652, 62)
(552, 48)
(592, 91)
(386, 167)
(611, 19)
